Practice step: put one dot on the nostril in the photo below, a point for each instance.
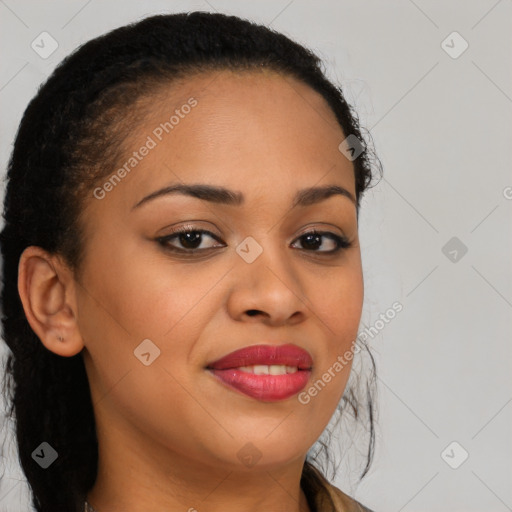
(252, 312)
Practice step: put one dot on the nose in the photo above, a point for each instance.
(268, 289)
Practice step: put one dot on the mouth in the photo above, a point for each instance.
(265, 372)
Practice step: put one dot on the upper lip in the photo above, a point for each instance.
(287, 354)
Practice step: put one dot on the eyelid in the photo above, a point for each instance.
(325, 227)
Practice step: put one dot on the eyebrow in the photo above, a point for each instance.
(221, 195)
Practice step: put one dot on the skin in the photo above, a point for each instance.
(169, 433)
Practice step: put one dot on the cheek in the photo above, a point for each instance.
(338, 306)
(139, 299)
(147, 295)
(336, 299)
(148, 298)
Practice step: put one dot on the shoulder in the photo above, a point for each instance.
(342, 502)
(326, 497)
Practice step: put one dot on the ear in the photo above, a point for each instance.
(47, 291)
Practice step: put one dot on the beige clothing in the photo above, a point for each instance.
(343, 502)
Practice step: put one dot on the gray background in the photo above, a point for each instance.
(441, 127)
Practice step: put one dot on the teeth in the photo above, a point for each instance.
(264, 369)
(261, 369)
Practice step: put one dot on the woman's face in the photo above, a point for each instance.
(153, 317)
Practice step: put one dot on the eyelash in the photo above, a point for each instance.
(341, 242)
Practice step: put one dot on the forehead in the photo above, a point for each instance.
(255, 131)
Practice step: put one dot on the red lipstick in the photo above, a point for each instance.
(265, 372)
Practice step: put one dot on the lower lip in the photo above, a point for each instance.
(269, 388)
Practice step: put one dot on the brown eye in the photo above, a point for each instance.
(189, 239)
(312, 240)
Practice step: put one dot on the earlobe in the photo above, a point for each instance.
(47, 292)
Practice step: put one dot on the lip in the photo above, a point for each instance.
(288, 354)
(270, 388)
